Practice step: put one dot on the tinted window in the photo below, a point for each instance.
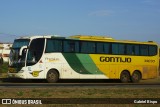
(144, 50)
(18, 43)
(121, 49)
(100, 47)
(70, 46)
(152, 50)
(103, 48)
(87, 47)
(132, 49)
(54, 46)
(118, 49)
(115, 48)
(35, 51)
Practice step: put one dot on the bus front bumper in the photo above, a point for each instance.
(16, 75)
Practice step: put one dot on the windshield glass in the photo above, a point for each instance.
(35, 51)
(15, 59)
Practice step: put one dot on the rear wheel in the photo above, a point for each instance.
(52, 76)
(125, 77)
(136, 77)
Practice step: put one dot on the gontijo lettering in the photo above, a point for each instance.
(115, 59)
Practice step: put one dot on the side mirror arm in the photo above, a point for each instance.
(21, 49)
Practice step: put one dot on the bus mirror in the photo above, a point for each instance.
(21, 50)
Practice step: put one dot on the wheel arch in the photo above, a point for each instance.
(125, 70)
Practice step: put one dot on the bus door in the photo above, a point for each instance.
(34, 59)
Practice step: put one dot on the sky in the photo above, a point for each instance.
(137, 20)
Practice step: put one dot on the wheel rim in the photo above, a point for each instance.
(125, 78)
(51, 76)
(135, 77)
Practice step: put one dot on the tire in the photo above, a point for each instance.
(136, 77)
(125, 77)
(52, 76)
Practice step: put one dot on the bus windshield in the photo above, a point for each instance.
(35, 51)
(15, 59)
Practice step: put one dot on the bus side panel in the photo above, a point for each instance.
(150, 72)
(113, 65)
(58, 62)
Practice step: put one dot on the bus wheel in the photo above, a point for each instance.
(52, 76)
(125, 77)
(136, 76)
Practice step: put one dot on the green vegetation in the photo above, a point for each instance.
(4, 68)
(80, 93)
(20, 93)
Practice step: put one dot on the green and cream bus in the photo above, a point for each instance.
(82, 57)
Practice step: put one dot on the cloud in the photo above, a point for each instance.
(101, 13)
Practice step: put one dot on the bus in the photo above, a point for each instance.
(82, 57)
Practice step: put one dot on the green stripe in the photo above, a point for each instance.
(81, 63)
(75, 63)
(88, 63)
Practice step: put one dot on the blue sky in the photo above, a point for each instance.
(121, 19)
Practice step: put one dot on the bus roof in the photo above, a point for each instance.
(107, 39)
(88, 38)
(91, 37)
(34, 37)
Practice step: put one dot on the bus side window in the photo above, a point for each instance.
(87, 47)
(54, 46)
(70, 46)
(100, 48)
(152, 50)
(118, 49)
(136, 49)
(115, 48)
(121, 49)
(144, 50)
(132, 49)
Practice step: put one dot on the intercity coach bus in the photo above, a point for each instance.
(82, 57)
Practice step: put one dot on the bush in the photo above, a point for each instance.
(4, 68)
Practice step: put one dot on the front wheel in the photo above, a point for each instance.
(52, 76)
